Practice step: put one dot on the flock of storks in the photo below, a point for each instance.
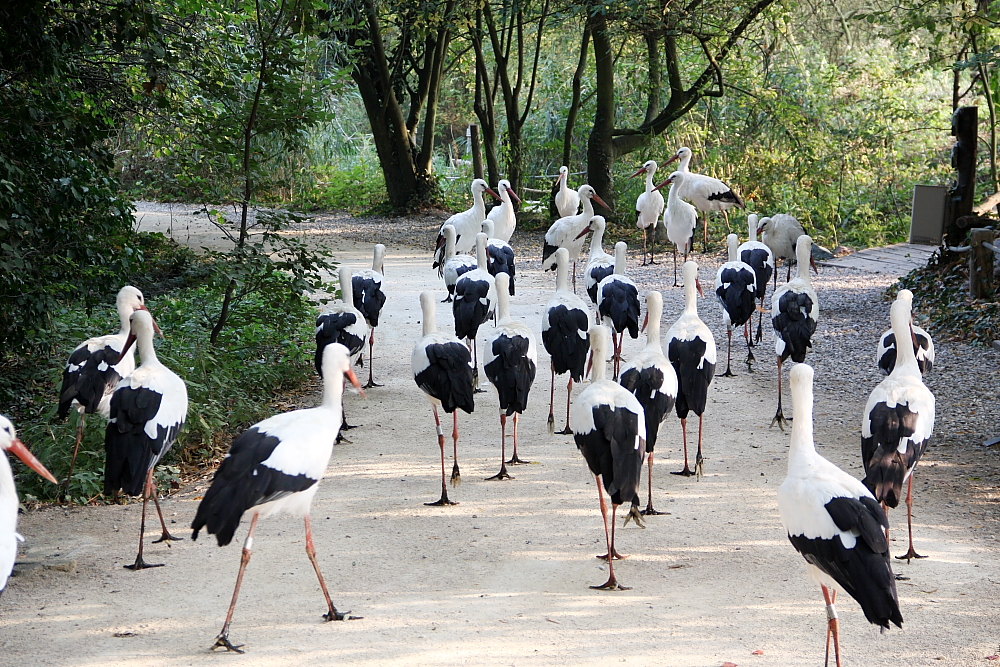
(838, 524)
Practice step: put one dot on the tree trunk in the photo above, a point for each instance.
(574, 107)
(600, 146)
(483, 104)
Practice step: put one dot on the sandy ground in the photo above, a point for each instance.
(502, 578)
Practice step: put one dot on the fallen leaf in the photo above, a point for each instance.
(729, 664)
(758, 652)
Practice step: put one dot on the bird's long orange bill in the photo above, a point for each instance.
(669, 180)
(600, 201)
(645, 323)
(493, 193)
(354, 380)
(156, 327)
(642, 170)
(128, 343)
(677, 156)
(29, 459)
(514, 195)
(812, 263)
(697, 283)
(586, 230)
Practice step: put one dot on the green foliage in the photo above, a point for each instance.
(358, 189)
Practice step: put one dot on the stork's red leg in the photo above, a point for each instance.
(371, 362)
(222, 641)
(687, 472)
(612, 582)
(456, 475)
(675, 265)
(165, 536)
(503, 450)
(729, 355)
(332, 614)
(643, 246)
(833, 625)
(649, 511)
(514, 460)
(444, 486)
(139, 563)
(911, 553)
(552, 399)
(76, 450)
(779, 416)
(699, 460)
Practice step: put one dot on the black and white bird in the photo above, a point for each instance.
(781, 233)
(679, 217)
(95, 367)
(691, 351)
(341, 323)
(610, 431)
(897, 423)
(759, 256)
(565, 232)
(648, 206)
(600, 265)
(565, 321)
(794, 314)
(148, 410)
(467, 224)
(475, 302)
(274, 468)
(442, 368)
(835, 523)
(736, 290)
(706, 193)
(653, 381)
(9, 503)
(454, 265)
(567, 200)
(510, 364)
(499, 255)
(504, 217)
(618, 305)
(923, 346)
(369, 299)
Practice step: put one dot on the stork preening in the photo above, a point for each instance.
(923, 345)
(504, 217)
(835, 523)
(610, 431)
(897, 423)
(601, 264)
(454, 265)
(148, 410)
(94, 369)
(653, 381)
(369, 299)
(564, 334)
(680, 218)
(499, 256)
(794, 314)
(781, 233)
(567, 200)
(275, 467)
(442, 368)
(648, 206)
(691, 351)
(9, 504)
(565, 232)
(510, 364)
(706, 193)
(759, 256)
(467, 224)
(475, 302)
(618, 305)
(341, 323)
(736, 290)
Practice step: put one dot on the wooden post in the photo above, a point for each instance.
(477, 151)
(965, 129)
(980, 264)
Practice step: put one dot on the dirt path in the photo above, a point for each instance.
(502, 578)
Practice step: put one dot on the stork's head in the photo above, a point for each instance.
(479, 186)
(675, 177)
(129, 301)
(563, 173)
(681, 154)
(648, 168)
(765, 225)
(588, 192)
(337, 363)
(9, 442)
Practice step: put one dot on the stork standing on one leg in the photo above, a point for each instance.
(565, 321)
(369, 299)
(648, 207)
(706, 193)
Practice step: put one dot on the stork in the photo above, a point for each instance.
(341, 323)
(923, 348)
(510, 364)
(609, 428)
(565, 232)
(503, 216)
(567, 200)
(273, 468)
(835, 523)
(467, 224)
(680, 218)
(618, 305)
(781, 233)
(148, 410)
(736, 290)
(369, 299)
(653, 381)
(442, 368)
(601, 264)
(706, 193)
(564, 334)
(454, 265)
(475, 302)
(759, 256)
(499, 255)
(648, 206)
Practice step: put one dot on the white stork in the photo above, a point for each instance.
(835, 523)
(467, 224)
(736, 290)
(95, 367)
(653, 381)
(567, 200)
(148, 410)
(897, 423)
(706, 193)
(618, 305)
(609, 428)
(454, 265)
(369, 299)
(780, 233)
(648, 206)
(275, 467)
(794, 314)
(499, 255)
(691, 351)
(510, 364)
(341, 323)
(600, 265)
(503, 216)
(564, 335)
(475, 302)
(680, 218)
(759, 256)
(565, 232)
(442, 368)
(885, 355)
(9, 537)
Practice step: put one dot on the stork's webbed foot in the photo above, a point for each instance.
(222, 641)
(168, 538)
(687, 472)
(456, 475)
(779, 419)
(634, 515)
(140, 564)
(503, 474)
(611, 585)
(910, 554)
(617, 555)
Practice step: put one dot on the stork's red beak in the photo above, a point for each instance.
(697, 283)
(513, 194)
(760, 228)
(490, 190)
(677, 156)
(128, 343)
(18, 449)
(669, 180)
(812, 263)
(354, 380)
(156, 327)
(586, 230)
(645, 322)
(642, 170)
(600, 201)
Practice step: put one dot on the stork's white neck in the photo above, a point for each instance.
(503, 298)
(654, 311)
(690, 294)
(588, 208)
(802, 445)
(449, 244)
(732, 244)
(478, 205)
(673, 197)
(906, 361)
(124, 313)
(379, 257)
(562, 273)
(803, 251)
(685, 162)
(752, 224)
(481, 251)
(597, 242)
(346, 289)
(620, 257)
(599, 345)
(563, 182)
(333, 391)
(144, 343)
(649, 179)
(429, 311)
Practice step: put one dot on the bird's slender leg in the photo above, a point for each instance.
(725, 214)
(833, 625)
(139, 563)
(885, 508)
(687, 472)
(729, 355)
(503, 450)
(699, 460)
(222, 641)
(604, 511)
(165, 536)
(911, 553)
(569, 393)
(332, 614)
(775, 282)
(371, 365)
(649, 511)
(444, 487)
(76, 450)
(344, 426)
(643, 246)
(779, 416)
(574, 276)
(748, 337)
(612, 582)
(552, 400)
(652, 245)
(705, 245)
(788, 273)
(475, 367)
(456, 475)
(675, 265)
(760, 319)
(514, 461)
